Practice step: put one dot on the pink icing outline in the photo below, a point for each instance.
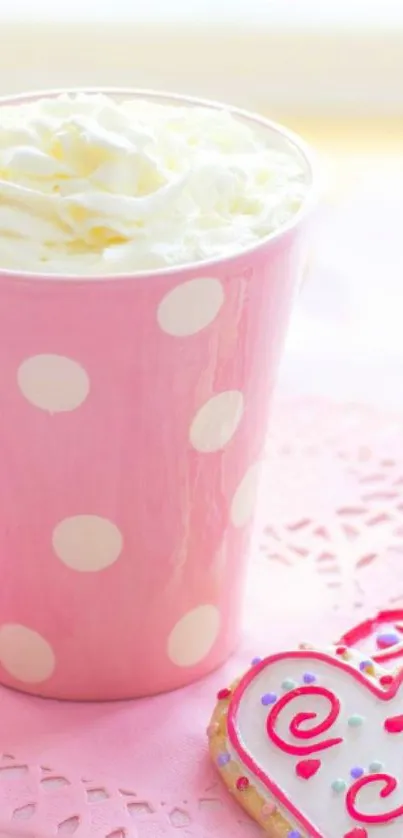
(368, 627)
(247, 759)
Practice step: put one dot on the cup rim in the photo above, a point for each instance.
(189, 268)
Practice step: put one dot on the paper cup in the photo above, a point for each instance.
(133, 419)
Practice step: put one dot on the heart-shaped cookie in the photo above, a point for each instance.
(381, 637)
(312, 747)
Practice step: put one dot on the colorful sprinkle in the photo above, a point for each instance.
(242, 783)
(383, 641)
(268, 698)
(288, 684)
(255, 661)
(222, 694)
(376, 766)
(355, 720)
(356, 772)
(307, 768)
(309, 678)
(386, 680)
(366, 665)
(394, 724)
(223, 759)
(339, 785)
(341, 650)
(268, 809)
(295, 833)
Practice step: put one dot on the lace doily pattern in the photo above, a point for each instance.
(333, 505)
(39, 802)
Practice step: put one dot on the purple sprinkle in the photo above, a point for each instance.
(223, 759)
(309, 678)
(294, 834)
(365, 665)
(268, 698)
(256, 661)
(356, 772)
(387, 639)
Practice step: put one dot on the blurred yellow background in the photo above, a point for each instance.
(352, 148)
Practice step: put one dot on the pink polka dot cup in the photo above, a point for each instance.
(133, 422)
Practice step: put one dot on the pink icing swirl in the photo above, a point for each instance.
(297, 727)
(389, 785)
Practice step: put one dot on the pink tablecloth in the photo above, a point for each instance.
(328, 549)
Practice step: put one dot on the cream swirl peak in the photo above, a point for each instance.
(93, 185)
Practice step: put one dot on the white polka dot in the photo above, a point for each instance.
(53, 382)
(87, 542)
(243, 502)
(216, 421)
(194, 635)
(190, 307)
(25, 654)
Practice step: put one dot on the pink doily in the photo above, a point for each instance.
(331, 551)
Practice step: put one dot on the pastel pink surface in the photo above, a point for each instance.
(143, 766)
(125, 454)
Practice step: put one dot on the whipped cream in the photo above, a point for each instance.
(93, 185)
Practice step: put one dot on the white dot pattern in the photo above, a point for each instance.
(194, 635)
(25, 654)
(243, 502)
(53, 383)
(216, 421)
(87, 543)
(190, 307)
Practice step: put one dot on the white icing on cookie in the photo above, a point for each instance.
(354, 737)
